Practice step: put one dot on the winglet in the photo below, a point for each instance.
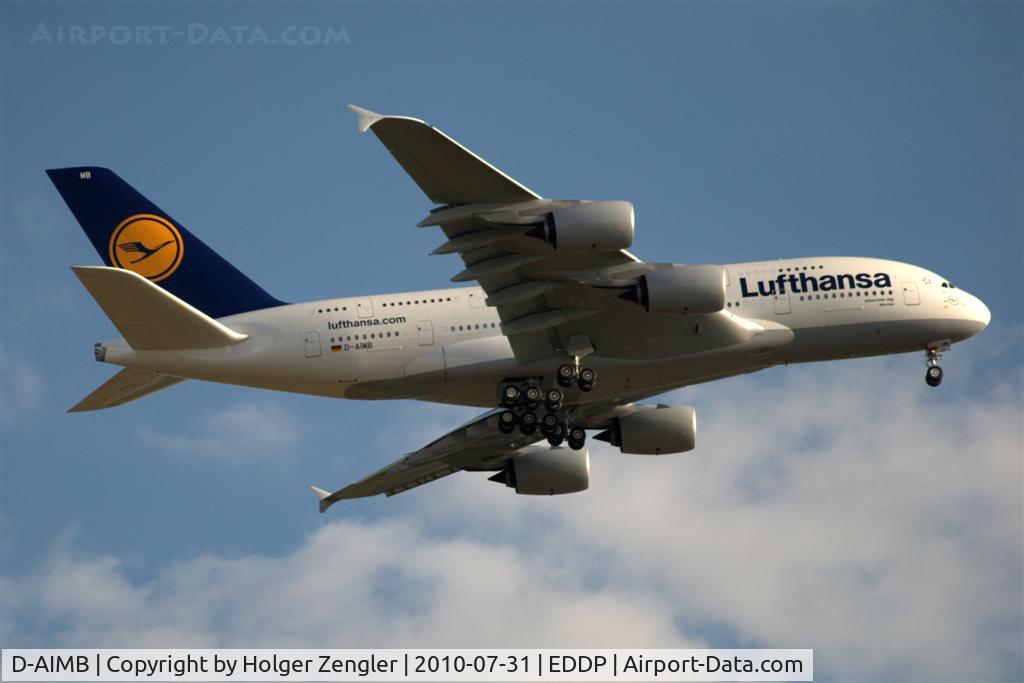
(323, 496)
(364, 117)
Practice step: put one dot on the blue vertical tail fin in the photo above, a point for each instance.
(131, 232)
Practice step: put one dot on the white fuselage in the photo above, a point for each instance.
(447, 345)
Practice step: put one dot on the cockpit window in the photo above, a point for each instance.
(950, 285)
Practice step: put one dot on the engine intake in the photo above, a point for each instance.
(663, 429)
(680, 290)
(547, 472)
(588, 226)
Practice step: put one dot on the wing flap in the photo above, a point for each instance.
(149, 317)
(126, 386)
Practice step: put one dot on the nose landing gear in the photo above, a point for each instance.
(933, 375)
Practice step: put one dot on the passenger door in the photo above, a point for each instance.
(782, 303)
(425, 333)
(911, 297)
(364, 307)
(311, 339)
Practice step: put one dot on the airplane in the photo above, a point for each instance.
(562, 331)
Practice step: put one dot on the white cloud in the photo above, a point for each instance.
(253, 428)
(22, 387)
(879, 523)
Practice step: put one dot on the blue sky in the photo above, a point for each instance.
(739, 130)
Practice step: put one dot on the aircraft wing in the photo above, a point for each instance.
(550, 301)
(447, 172)
(476, 445)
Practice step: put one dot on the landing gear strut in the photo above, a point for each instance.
(933, 375)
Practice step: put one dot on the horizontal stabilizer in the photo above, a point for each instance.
(126, 386)
(149, 317)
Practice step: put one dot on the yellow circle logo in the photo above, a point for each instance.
(148, 245)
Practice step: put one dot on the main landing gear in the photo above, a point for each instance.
(584, 378)
(531, 408)
(933, 375)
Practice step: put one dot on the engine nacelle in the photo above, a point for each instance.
(547, 472)
(588, 226)
(663, 429)
(680, 290)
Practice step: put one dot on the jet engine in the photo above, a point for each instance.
(547, 472)
(680, 290)
(588, 226)
(657, 430)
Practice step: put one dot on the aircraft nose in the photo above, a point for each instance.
(980, 316)
(984, 315)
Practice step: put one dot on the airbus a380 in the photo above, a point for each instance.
(563, 331)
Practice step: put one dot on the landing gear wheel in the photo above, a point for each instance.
(587, 375)
(557, 437)
(577, 437)
(933, 352)
(586, 386)
(549, 424)
(553, 399)
(532, 394)
(507, 422)
(528, 423)
(565, 375)
(509, 395)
